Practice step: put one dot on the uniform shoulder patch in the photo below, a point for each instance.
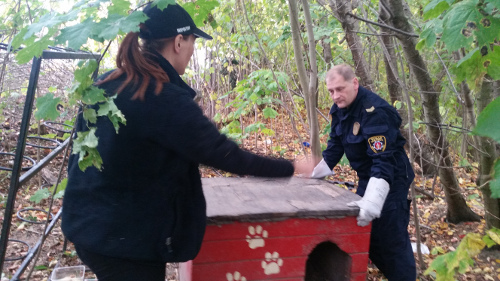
(377, 143)
(371, 109)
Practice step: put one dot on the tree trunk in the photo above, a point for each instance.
(458, 211)
(309, 84)
(488, 157)
(423, 153)
(350, 26)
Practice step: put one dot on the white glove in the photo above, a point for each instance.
(372, 202)
(321, 170)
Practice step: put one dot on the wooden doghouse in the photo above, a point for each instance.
(279, 229)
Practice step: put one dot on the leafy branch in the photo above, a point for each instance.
(99, 21)
(445, 266)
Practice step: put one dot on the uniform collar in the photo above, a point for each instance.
(174, 77)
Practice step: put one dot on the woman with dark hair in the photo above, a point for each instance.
(146, 207)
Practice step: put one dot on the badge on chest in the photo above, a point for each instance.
(355, 128)
(377, 143)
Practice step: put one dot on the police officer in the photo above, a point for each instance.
(366, 128)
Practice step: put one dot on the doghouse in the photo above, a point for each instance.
(279, 229)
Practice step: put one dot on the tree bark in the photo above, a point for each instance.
(458, 211)
(309, 84)
(350, 26)
(487, 160)
(423, 153)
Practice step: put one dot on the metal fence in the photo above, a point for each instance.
(17, 179)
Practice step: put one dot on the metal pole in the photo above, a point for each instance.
(32, 251)
(16, 170)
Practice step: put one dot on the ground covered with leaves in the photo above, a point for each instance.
(436, 233)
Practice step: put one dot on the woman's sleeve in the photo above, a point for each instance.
(183, 128)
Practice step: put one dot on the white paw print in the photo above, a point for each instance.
(236, 276)
(256, 237)
(272, 263)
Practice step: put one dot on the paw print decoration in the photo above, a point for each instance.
(256, 237)
(272, 263)
(236, 276)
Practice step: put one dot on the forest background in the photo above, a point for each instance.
(261, 80)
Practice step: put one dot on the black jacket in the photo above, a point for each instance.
(147, 202)
(368, 133)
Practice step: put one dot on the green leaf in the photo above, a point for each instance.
(131, 23)
(200, 9)
(119, 7)
(470, 67)
(268, 132)
(76, 35)
(488, 30)
(397, 104)
(47, 107)
(34, 49)
(19, 38)
(41, 267)
(487, 121)
(252, 128)
(85, 145)
(495, 183)
(85, 70)
(435, 8)
(85, 140)
(47, 20)
(254, 97)
(114, 114)
(93, 95)
(40, 195)
(92, 158)
(90, 115)
(492, 60)
(269, 112)
(456, 34)
(60, 188)
(488, 241)
(428, 37)
(162, 4)
(110, 27)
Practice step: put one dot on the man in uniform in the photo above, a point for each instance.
(366, 128)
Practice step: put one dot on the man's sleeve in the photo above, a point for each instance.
(334, 150)
(380, 129)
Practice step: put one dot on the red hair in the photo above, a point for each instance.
(137, 61)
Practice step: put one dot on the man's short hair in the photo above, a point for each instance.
(343, 70)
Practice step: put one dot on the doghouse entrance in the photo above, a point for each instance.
(327, 262)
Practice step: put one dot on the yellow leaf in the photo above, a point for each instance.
(474, 243)
(494, 236)
(498, 261)
(450, 232)
(426, 215)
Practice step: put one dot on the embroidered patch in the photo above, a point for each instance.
(377, 143)
(183, 29)
(355, 128)
(371, 109)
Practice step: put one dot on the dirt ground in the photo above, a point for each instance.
(434, 230)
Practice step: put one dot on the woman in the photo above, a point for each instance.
(146, 207)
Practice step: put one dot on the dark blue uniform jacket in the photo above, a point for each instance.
(147, 203)
(368, 133)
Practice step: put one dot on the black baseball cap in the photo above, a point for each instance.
(169, 22)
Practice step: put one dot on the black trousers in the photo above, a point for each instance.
(390, 246)
(116, 269)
